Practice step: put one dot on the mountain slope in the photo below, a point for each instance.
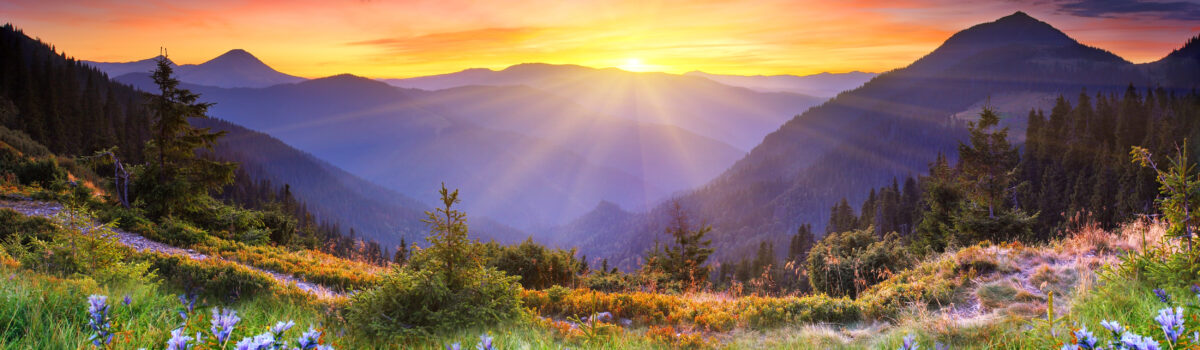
(374, 212)
(734, 115)
(519, 154)
(236, 68)
(890, 127)
(825, 85)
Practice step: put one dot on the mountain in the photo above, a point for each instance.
(892, 126)
(520, 155)
(733, 115)
(233, 69)
(825, 85)
(376, 213)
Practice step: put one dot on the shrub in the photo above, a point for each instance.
(844, 264)
(420, 302)
(215, 277)
(442, 288)
(537, 266)
(13, 223)
(179, 232)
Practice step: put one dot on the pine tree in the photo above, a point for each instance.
(180, 176)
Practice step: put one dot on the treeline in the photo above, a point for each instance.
(74, 110)
(1074, 169)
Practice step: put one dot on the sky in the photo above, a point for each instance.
(398, 39)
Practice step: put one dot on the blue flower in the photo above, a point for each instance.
(179, 340)
(1137, 342)
(281, 327)
(454, 346)
(1084, 339)
(485, 343)
(1113, 327)
(1162, 295)
(127, 300)
(98, 320)
(223, 322)
(910, 343)
(1171, 322)
(1069, 347)
(309, 340)
(263, 341)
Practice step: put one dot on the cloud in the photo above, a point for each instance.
(1175, 10)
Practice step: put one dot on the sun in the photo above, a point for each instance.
(634, 65)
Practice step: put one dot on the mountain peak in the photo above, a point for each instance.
(1017, 28)
(236, 56)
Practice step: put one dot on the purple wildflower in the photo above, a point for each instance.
(1162, 295)
(223, 322)
(1171, 322)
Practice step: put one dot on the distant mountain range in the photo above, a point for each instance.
(892, 126)
(234, 69)
(731, 114)
(523, 156)
(376, 213)
(824, 85)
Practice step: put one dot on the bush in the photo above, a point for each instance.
(442, 288)
(844, 264)
(179, 232)
(421, 302)
(13, 224)
(537, 266)
(211, 276)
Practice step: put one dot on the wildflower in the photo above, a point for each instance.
(223, 322)
(98, 320)
(309, 340)
(485, 343)
(259, 342)
(189, 303)
(281, 327)
(179, 340)
(1069, 347)
(1084, 339)
(454, 346)
(127, 300)
(1113, 327)
(1137, 342)
(1162, 295)
(1171, 322)
(1196, 289)
(910, 343)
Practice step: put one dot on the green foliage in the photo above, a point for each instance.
(179, 233)
(846, 263)
(209, 276)
(176, 179)
(537, 266)
(683, 262)
(412, 302)
(450, 251)
(442, 288)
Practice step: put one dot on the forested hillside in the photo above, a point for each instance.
(890, 128)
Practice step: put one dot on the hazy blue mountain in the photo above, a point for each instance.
(734, 115)
(825, 85)
(892, 126)
(236, 68)
(520, 155)
(330, 193)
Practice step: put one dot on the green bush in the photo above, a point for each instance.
(538, 266)
(210, 276)
(442, 288)
(422, 302)
(179, 232)
(13, 224)
(844, 264)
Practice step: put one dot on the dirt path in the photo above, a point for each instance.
(142, 244)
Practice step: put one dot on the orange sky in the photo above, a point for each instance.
(389, 39)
